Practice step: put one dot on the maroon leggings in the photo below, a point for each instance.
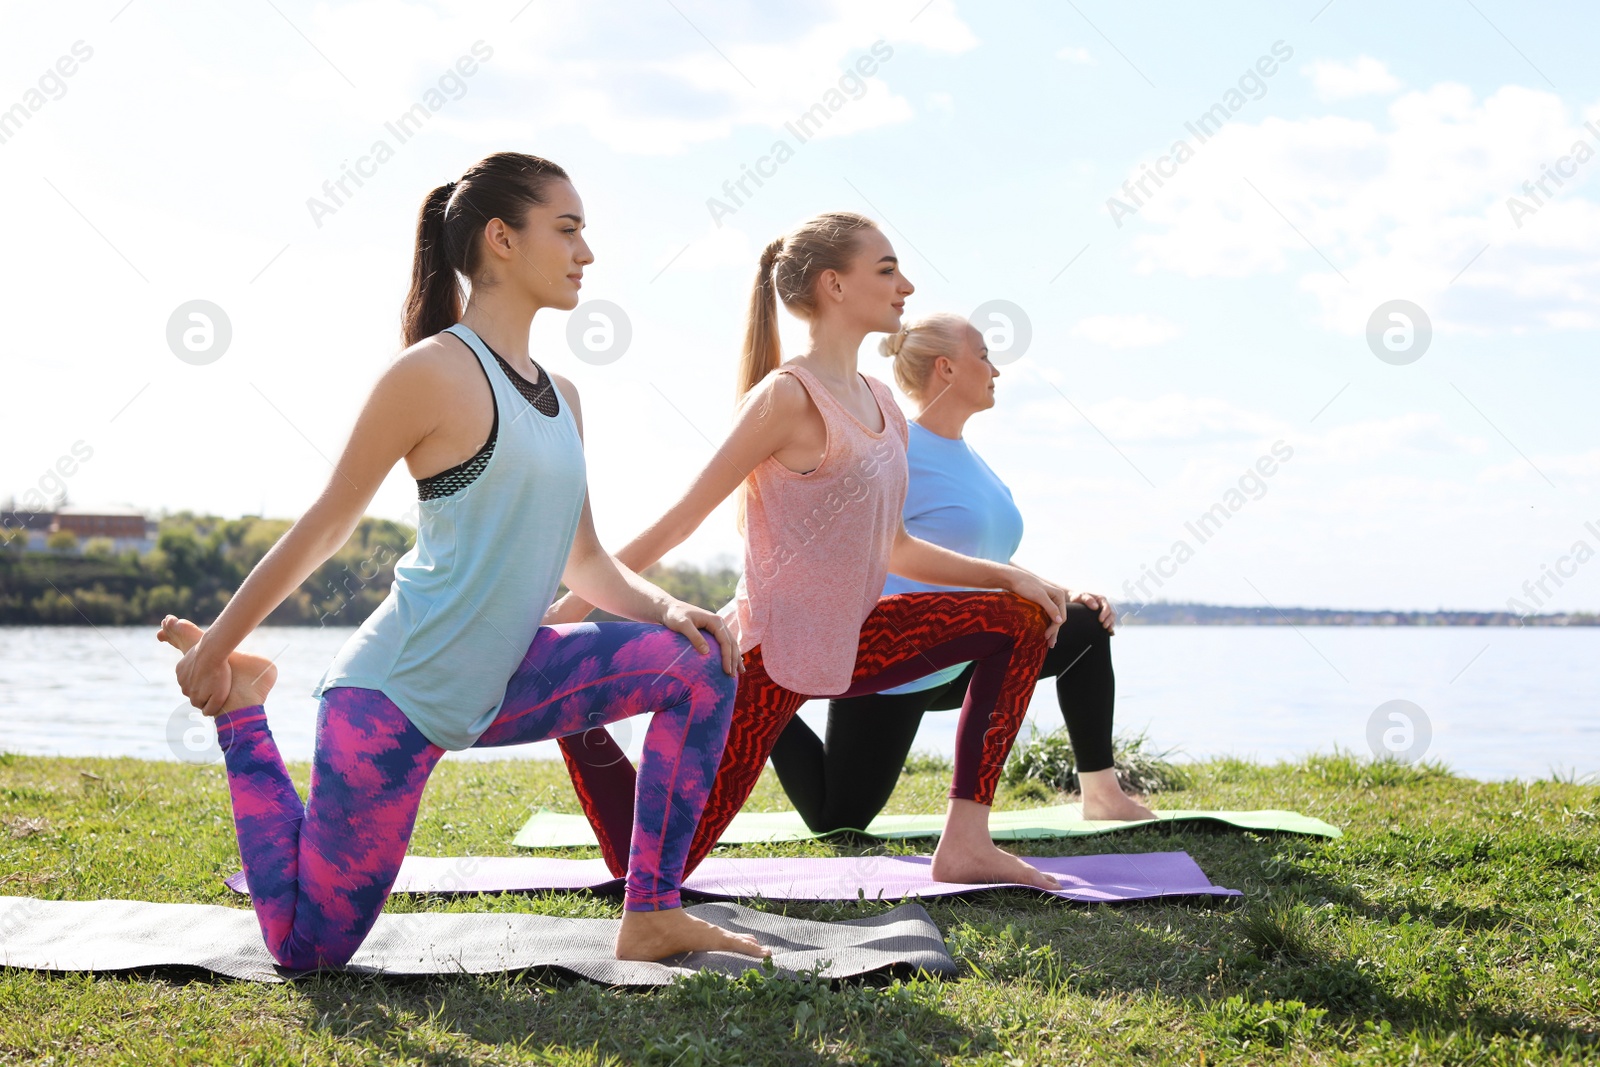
(906, 636)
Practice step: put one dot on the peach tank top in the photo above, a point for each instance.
(816, 546)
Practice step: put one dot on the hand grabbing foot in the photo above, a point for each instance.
(655, 935)
(253, 676)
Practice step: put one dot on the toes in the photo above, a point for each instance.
(749, 946)
(179, 633)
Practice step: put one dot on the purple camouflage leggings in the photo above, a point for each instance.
(319, 873)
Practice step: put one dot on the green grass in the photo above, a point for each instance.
(1047, 758)
(1455, 922)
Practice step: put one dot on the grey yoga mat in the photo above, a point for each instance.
(1116, 876)
(121, 935)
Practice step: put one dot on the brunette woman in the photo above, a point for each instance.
(455, 656)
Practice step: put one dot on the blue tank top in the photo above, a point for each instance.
(954, 500)
(467, 598)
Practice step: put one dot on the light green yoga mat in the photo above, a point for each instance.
(548, 829)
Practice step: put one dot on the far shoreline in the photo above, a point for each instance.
(1171, 613)
(1164, 613)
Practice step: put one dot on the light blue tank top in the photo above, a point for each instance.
(467, 598)
(953, 500)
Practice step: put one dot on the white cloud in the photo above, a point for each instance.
(1414, 431)
(772, 82)
(1577, 472)
(1209, 426)
(1370, 213)
(1073, 54)
(718, 247)
(1180, 417)
(1125, 331)
(655, 86)
(1332, 80)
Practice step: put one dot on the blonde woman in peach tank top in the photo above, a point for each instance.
(817, 456)
(836, 523)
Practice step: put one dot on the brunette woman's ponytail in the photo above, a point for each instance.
(434, 302)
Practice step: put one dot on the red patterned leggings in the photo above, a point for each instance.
(906, 636)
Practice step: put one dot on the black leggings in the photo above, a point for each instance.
(843, 784)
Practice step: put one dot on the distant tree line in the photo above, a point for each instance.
(199, 561)
(197, 564)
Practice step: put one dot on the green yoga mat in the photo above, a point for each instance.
(548, 829)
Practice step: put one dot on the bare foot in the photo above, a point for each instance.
(982, 862)
(1115, 807)
(967, 853)
(654, 935)
(253, 676)
(1104, 800)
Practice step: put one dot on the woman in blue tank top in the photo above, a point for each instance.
(455, 656)
(956, 501)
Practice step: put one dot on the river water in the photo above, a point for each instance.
(1492, 703)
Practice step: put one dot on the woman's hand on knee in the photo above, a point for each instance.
(1099, 604)
(1049, 596)
(689, 620)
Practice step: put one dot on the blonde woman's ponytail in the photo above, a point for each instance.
(788, 271)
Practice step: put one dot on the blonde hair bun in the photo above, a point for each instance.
(917, 344)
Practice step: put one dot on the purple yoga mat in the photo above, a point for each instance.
(1112, 877)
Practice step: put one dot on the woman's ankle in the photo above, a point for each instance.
(235, 722)
(1099, 784)
(966, 820)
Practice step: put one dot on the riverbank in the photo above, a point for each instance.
(1454, 922)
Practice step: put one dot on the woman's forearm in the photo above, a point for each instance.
(923, 561)
(655, 541)
(602, 583)
(647, 548)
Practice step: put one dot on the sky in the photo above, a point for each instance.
(1326, 272)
